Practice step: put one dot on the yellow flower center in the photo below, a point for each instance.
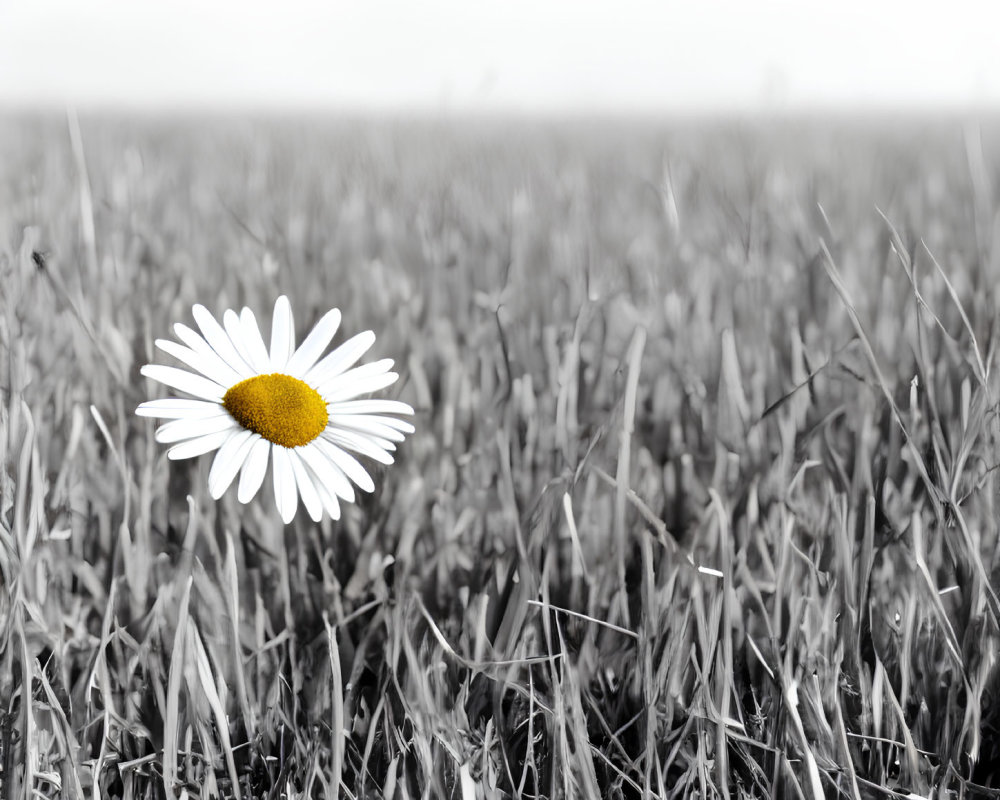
(282, 409)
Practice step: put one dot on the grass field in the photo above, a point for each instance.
(701, 500)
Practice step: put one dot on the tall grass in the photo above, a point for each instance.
(701, 500)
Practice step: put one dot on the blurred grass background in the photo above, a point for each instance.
(701, 500)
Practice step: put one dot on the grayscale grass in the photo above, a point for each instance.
(701, 502)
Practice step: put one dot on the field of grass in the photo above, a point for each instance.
(702, 500)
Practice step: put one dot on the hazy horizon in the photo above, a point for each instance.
(633, 58)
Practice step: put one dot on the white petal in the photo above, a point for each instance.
(326, 470)
(260, 360)
(341, 358)
(282, 335)
(358, 443)
(234, 330)
(369, 424)
(206, 366)
(181, 429)
(347, 464)
(285, 495)
(370, 407)
(178, 408)
(253, 471)
(228, 461)
(314, 345)
(380, 367)
(222, 371)
(328, 498)
(310, 497)
(219, 341)
(400, 425)
(184, 381)
(334, 393)
(199, 446)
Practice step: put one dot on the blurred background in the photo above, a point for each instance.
(454, 56)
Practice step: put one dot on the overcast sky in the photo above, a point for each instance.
(518, 55)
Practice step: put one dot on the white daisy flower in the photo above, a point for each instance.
(282, 404)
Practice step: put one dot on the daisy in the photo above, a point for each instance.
(284, 405)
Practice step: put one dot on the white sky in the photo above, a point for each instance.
(516, 55)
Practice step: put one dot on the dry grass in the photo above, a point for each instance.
(701, 500)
